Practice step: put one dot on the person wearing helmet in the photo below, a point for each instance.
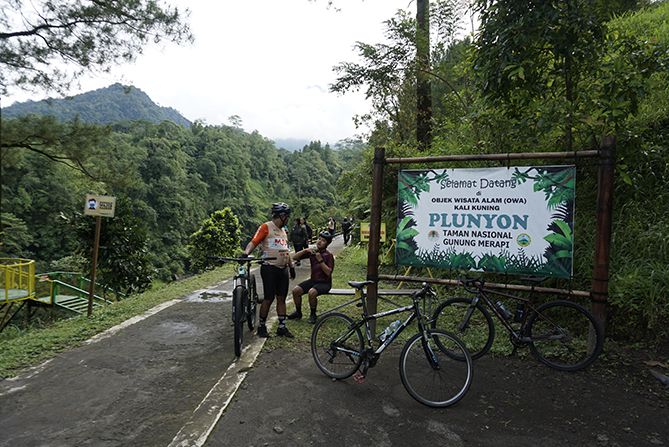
(273, 241)
(320, 282)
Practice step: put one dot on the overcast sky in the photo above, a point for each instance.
(268, 61)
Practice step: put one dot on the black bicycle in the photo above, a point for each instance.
(430, 366)
(244, 297)
(561, 334)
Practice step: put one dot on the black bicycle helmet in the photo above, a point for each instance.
(326, 235)
(279, 209)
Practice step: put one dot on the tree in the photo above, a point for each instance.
(219, 235)
(539, 51)
(423, 93)
(68, 143)
(14, 236)
(49, 44)
(398, 76)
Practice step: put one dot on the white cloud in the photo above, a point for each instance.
(268, 61)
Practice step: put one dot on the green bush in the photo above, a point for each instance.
(219, 235)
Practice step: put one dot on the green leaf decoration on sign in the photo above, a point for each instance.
(557, 184)
(405, 233)
(492, 263)
(412, 184)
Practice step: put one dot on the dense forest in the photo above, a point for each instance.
(167, 180)
(536, 76)
(539, 77)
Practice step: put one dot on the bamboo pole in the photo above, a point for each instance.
(96, 246)
(491, 285)
(375, 231)
(600, 272)
(499, 157)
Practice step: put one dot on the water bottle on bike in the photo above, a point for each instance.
(389, 330)
(503, 310)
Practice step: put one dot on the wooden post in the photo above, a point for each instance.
(96, 246)
(600, 273)
(375, 231)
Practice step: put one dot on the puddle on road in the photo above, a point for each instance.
(209, 296)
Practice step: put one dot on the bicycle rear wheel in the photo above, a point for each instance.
(251, 304)
(432, 376)
(238, 318)
(336, 346)
(564, 336)
(473, 325)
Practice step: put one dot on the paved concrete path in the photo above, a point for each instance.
(152, 381)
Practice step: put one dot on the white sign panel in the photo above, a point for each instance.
(510, 220)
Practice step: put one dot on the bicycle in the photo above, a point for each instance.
(561, 334)
(429, 376)
(244, 297)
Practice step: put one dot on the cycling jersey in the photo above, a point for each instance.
(273, 242)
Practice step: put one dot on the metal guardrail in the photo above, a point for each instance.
(18, 279)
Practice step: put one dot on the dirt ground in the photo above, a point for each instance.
(287, 401)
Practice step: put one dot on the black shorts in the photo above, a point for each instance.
(321, 287)
(274, 281)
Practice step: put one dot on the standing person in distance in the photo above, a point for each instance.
(320, 282)
(332, 226)
(310, 232)
(273, 240)
(346, 226)
(298, 236)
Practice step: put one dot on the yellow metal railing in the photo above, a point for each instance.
(18, 279)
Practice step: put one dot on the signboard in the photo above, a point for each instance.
(364, 232)
(515, 220)
(99, 205)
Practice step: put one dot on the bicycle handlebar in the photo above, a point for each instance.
(470, 284)
(242, 260)
(425, 289)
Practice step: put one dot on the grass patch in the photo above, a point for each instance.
(33, 346)
(351, 265)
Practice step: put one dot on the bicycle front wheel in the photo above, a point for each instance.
(433, 376)
(472, 324)
(251, 304)
(238, 318)
(336, 345)
(564, 336)
(253, 290)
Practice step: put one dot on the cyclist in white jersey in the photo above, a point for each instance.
(273, 241)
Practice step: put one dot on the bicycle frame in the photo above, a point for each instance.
(482, 293)
(414, 308)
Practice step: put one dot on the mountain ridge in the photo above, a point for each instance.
(107, 105)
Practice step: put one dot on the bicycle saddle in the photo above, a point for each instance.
(360, 284)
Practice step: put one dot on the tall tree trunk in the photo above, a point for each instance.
(423, 88)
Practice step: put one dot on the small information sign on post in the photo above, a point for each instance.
(98, 206)
(364, 232)
(103, 206)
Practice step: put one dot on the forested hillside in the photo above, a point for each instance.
(107, 105)
(167, 179)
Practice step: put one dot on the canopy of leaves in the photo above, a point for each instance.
(48, 44)
(218, 235)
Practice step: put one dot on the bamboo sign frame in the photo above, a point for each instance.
(600, 274)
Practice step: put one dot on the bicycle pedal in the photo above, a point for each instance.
(359, 378)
